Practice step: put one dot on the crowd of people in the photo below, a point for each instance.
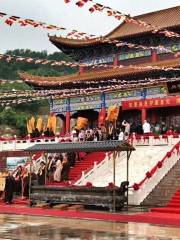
(14, 182)
(58, 167)
(113, 131)
(47, 133)
(121, 131)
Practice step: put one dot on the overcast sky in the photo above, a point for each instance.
(65, 15)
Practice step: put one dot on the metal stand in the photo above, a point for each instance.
(46, 158)
(30, 178)
(114, 180)
(127, 175)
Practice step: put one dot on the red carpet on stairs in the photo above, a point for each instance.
(172, 207)
(83, 165)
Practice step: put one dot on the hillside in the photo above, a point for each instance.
(14, 117)
(9, 69)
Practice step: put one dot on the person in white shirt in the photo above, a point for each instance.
(127, 127)
(146, 127)
(121, 135)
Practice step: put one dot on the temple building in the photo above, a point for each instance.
(121, 69)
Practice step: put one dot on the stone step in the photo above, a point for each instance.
(42, 205)
(76, 208)
(61, 206)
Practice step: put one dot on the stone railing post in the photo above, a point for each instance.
(134, 139)
(170, 140)
(29, 140)
(43, 140)
(95, 170)
(83, 178)
(57, 137)
(14, 142)
(1, 145)
(151, 140)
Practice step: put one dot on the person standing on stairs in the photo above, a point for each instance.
(9, 188)
(41, 174)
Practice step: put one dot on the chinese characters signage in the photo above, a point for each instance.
(151, 103)
(130, 55)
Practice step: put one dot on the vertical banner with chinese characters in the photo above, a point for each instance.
(151, 103)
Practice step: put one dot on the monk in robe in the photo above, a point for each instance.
(9, 188)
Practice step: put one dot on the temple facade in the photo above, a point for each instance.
(131, 67)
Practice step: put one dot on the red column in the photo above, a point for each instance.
(143, 115)
(67, 122)
(102, 116)
(116, 61)
(81, 69)
(154, 56)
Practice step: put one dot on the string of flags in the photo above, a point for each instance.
(104, 82)
(73, 34)
(31, 96)
(19, 97)
(9, 58)
(24, 22)
(127, 18)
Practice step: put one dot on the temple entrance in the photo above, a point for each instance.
(91, 115)
(169, 115)
(130, 115)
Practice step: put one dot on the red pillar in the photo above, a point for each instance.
(102, 116)
(67, 122)
(154, 56)
(143, 115)
(81, 69)
(116, 61)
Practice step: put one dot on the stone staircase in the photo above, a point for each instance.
(166, 188)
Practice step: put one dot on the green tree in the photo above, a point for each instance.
(8, 117)
(9, 70)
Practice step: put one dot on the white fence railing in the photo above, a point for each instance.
(100, 169)
(20, 144)
(137, 196)
(154, 140)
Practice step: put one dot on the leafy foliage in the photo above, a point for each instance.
(16, 116)
(14, 86)
(9, 70)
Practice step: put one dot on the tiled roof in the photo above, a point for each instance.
(102, 146)
(162, 19)
(166, 18)
(97, 75)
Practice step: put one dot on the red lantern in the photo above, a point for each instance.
(148, 175)
(111, 185)
(177, 147)
(168, 154)
(136, 186)
(89, 184)
(159, 164)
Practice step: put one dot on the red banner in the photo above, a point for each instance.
(151, 103)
